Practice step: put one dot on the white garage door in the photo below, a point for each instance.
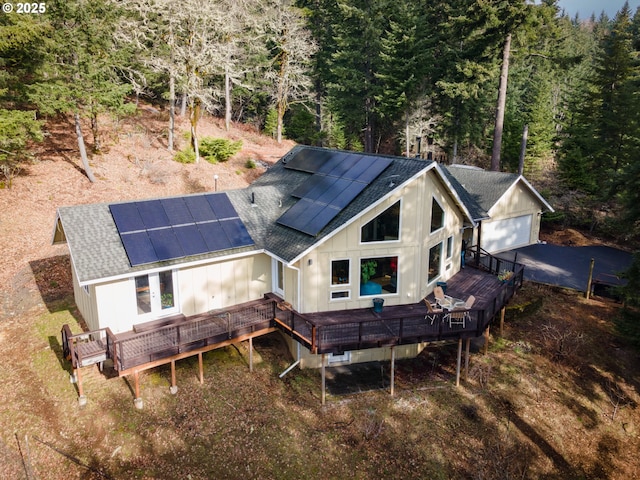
(506, 234)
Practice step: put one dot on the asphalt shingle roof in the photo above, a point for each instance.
(97, 251)
(480, 189)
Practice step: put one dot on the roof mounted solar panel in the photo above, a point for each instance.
(236, 232)
(127, 217)
(221, 206)
(190, 239)
(165, 244)
(153, 214)
(166, 229)
(214, 236)
(307, 160)
(200, 208)
(340, 164)
(139, 248)
(177, 211)
(335, 184)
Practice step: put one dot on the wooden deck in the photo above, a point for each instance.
(163, 342)
(340, 331)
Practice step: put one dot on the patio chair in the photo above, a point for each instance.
(432, 311)
(442, 299)
(459, 317)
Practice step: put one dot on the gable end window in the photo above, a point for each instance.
(437, 216)
(384, 228)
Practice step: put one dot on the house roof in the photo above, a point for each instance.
(98, 254)
(482, 189)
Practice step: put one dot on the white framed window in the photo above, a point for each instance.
(384, 228)
(437, 215)
(449, 247)
(378, 276)
(341, 295)
(340, 278)
(278, 277)
(434, 268)
(341, 272)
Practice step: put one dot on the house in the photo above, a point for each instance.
(323, 230)
(505, 207)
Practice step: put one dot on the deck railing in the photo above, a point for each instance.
(194, 333)
(406, 329)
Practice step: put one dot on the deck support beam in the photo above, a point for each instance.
(251, 354)
(137, 401)
(174, 388)
(503, 310)
(201, 368)
(467, 347)
(459, 362)
(393, 370)
(485, 348)
(324, 380)
(82, 399)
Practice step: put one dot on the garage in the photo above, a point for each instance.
(506, 234)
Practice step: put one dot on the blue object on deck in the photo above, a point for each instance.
(443, 285)
(370, 288)
(377, 304)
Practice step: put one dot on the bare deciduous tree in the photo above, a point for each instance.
(291, 48)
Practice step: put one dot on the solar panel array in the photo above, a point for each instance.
(338, 178)
(157, 230)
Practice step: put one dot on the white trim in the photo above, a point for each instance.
(275, 288)
(434, 279)
(444, 216)
(338, 299)
(388, 294)
(529, 187)
(156, 310)
(339, 285)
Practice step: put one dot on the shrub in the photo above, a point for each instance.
(250, 164)
(216, 150)
(186, 155)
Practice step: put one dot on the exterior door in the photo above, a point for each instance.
(156, 294)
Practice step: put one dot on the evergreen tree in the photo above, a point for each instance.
(80, 75)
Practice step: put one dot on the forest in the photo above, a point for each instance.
(459, 81)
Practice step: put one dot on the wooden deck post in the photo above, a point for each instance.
(136, 387)
(486, 341)
(201, 368)
(466, 358)
(251, 354)
(393, 370)
(459, 361)
(82, 399)
(503, 310)
(174, 388)
(323, 375)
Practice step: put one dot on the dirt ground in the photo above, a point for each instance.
(555, 397)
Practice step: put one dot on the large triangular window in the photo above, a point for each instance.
(384, 228)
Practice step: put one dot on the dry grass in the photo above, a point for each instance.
(555, 398)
